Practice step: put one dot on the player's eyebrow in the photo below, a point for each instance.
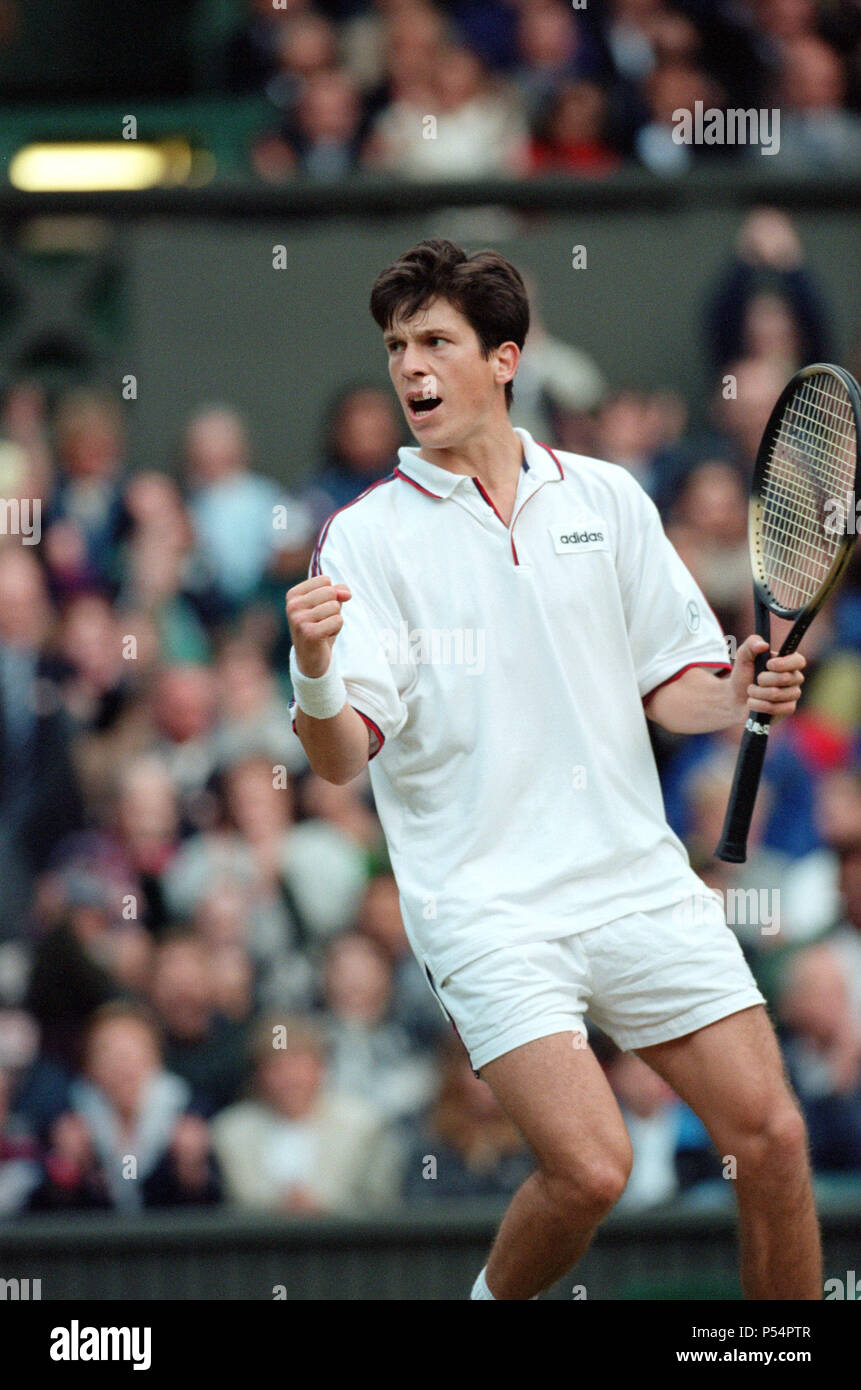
(424, 333)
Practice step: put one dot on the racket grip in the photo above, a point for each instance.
(748, 770)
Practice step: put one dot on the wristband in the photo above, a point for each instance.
(320, 697)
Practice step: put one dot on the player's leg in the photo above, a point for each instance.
(731, 1073)
(556, 1093)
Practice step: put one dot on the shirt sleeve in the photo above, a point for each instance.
(360, 647)
(670, 624)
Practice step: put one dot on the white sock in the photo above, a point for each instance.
(480, 1289)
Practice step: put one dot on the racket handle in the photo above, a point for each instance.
(748, 769)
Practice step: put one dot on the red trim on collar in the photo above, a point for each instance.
(553, 456)
(427, 492)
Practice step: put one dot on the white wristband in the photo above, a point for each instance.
(321, 697)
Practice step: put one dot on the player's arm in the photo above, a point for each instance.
(700, 700)
(338, 746)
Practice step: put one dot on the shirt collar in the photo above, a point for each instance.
(441, 482)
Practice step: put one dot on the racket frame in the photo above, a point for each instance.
(732, 848)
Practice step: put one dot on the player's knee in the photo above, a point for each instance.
(605, 1184)
(776, 1144)
(593, 1187)
(787, 1133)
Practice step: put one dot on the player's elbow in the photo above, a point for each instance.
(335, 766)
(338, 749)
(338, 773)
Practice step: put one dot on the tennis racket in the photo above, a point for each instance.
(801, 528)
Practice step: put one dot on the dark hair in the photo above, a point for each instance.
(484, 287)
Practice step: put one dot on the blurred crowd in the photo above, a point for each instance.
(206, 993)
(464, 88)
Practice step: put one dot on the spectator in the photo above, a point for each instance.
(184, 712)
(820, 1004)
(73, 1179)
(232, 977)
(95, 683)
(409, 36)
(674, 86)
(470, 128)
(147, 828)
(251, 55)
(136, 1117)
(229, 500)
(553, 48)
(203, 1047)
(157, 514)
(413, 1004)
(743, 403)
(24, 422)
(39, 795)
(298, 1146)
(465, 1146)
(307, 45)
(303, 882)
(86, 513)
(570, 132)
(325, 144)
(766, 304)
(709, 529)
(38, 1087)
(76, 965)
(348, 808)
(154, 587)
(363, 435)
(816, 132)
(371, 1053)
(633, 427)
(652, 1114)
(252, 716)
(20, 1160)
(556, 383)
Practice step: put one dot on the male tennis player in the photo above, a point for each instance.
(490, 627)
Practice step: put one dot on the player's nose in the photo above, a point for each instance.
(412, 362)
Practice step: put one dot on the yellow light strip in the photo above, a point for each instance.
(99, 166)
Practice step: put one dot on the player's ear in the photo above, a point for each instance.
(507, 358)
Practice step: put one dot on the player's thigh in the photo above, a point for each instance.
(557, 1095)
(730, 1073)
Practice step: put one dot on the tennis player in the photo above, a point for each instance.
(490, 627)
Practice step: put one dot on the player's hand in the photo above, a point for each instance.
(314, 617)
(778, 688)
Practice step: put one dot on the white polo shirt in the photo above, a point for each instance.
(502, 671)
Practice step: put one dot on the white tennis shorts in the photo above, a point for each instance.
(643, 979)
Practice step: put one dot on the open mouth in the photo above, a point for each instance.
(420, 406)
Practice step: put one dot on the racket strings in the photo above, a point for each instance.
(811, 464)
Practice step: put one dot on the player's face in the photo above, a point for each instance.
(446, 388)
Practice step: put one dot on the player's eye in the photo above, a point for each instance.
(438, 340)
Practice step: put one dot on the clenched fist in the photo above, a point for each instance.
(314, 616)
